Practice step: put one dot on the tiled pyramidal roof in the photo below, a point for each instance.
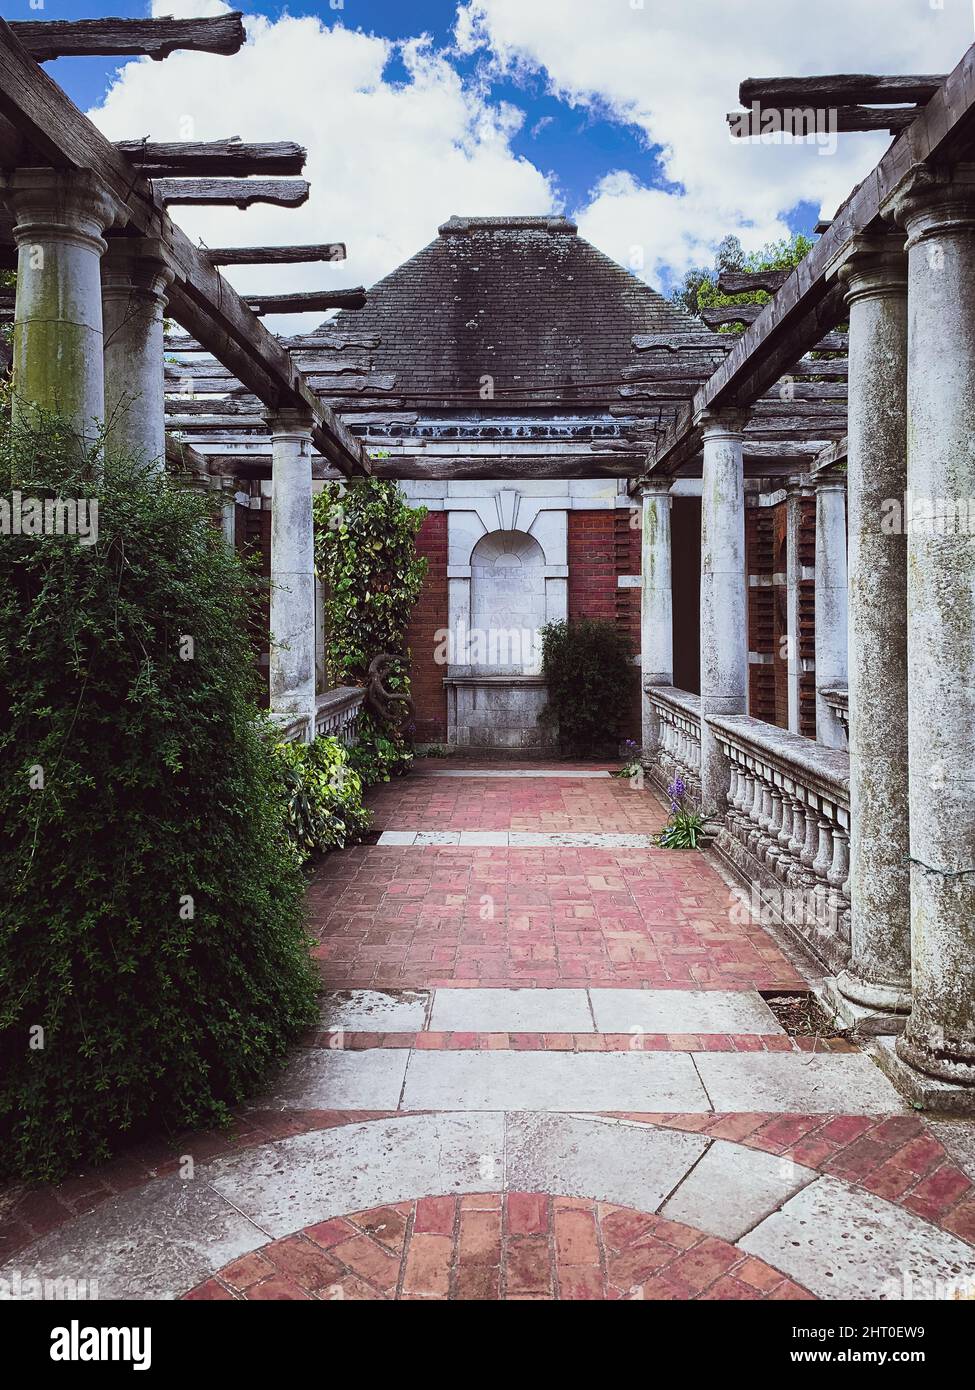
(524, 300)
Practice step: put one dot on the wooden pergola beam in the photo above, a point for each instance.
(276, 255)
(809, 304)
(215, 158)
(305, 300)
(150, 38)
(746, 125)
(848, 89)
(240, 193)
(747, 281)
(200, 299)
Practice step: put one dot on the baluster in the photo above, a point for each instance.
(771, 850)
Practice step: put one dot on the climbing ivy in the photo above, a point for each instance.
(365, 551)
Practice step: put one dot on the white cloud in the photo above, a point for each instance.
(672, 69)
(387, 161)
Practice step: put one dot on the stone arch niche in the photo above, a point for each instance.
(507, 604)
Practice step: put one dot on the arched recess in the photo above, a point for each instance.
(507, 603)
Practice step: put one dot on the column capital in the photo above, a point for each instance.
(138, 264)
(830, 479)
(934, 202)
(874, 266)
(66, 204)
(726, 422)
(290, 423)
(655, 486)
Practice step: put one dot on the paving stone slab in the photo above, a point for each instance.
(397, 837)
(797, 1082)
(682, 1011)
(576, 839)
(511, 1011)
(152, 1243)
(291, 1184)
(598, 1081)
(322, 1079)
(631, 1165)
(733, 1188)
(497, 772)
(375, 1011)
(843, 1242)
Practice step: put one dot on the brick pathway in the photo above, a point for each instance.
(408, 1153)
(489, 1245)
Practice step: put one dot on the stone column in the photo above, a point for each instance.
(724, 609)
(938, 213)
(793, 576)
(656, 604)
(831, 602)
(135, 275)
(879, 974)
(292, 568)
(59, 218)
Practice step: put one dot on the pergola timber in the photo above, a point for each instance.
(239, 193)
(276, 255)
(847, 89)
(303, 301)
(199, 298)
(801, 121)
(746, 281)
(150, 38)
(214, 158)
(810, 303)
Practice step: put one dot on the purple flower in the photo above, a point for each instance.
(676, 792)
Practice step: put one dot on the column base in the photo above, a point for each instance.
(921, 1091)
(949, 1070)
(869, 1020)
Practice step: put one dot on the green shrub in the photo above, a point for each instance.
(380, 752)
(591, 679)
(324, 796)
(153, 960)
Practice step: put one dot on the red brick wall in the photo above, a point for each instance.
(430, 615)
(602, 546)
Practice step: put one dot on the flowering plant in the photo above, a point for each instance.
(684, 828)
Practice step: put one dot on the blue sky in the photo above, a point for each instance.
(609, 110)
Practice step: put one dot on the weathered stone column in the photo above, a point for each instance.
(938, 213)
(292, 568)
(831, 602)
(879, 974)
(135, 276)
(793, 579)
(656, 603)
(59, 220)
(724, 611)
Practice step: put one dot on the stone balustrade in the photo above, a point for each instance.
(836, 698)
(677, 715)
(786, 830)
(337, 713)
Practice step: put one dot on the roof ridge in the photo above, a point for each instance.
(460, 226)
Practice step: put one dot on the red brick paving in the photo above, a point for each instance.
(418, 917)
(526, 1245)
(603, 805)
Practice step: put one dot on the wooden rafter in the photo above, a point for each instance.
(847, 89)
(240, 193)
(214, 158)
(276, 255)
(151, 38)
(200, 299)
(304, 300)
(745, 125)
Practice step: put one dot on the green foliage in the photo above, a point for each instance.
(590, 676)
(682, 831)
(380, 753)
(365, 551)
(152, 924)
(700, 288)
(324, 796)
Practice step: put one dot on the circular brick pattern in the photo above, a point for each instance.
(518, 1245)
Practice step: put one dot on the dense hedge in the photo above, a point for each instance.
(324, 796)
(588, 669)
(153, 961)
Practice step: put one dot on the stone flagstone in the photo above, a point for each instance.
(732, 1189)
